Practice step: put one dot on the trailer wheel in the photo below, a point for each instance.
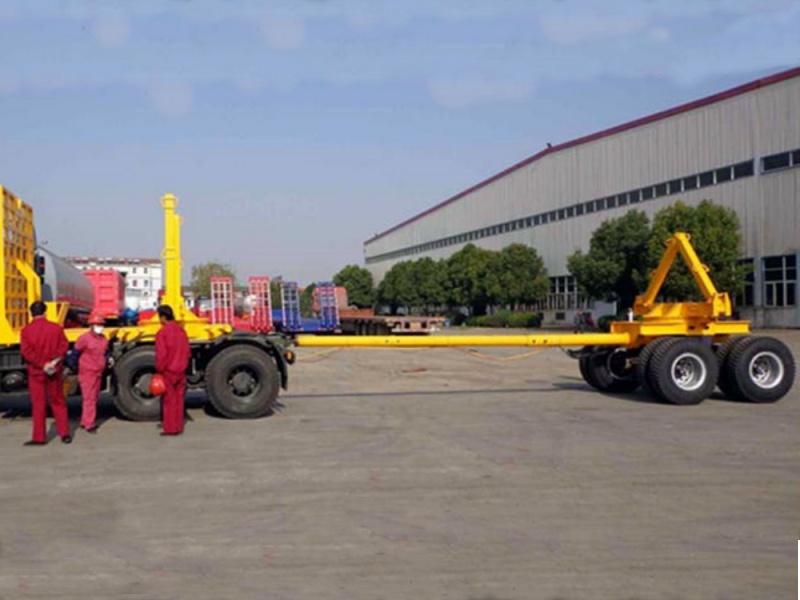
(683, 372)
(643, 362)
(242, 382)
(761, 370)
(605, 370)
(133, 373)
(723, 352)
(583, 363)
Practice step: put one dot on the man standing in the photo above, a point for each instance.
(172, 359)
(43, 346)
(92, 363)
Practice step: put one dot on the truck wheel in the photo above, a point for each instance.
(683, 372)
(760, 369)
(133, 372)
(723, 352)
(242, 382)
(605, 371)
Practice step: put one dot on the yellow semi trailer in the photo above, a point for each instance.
(678, 351)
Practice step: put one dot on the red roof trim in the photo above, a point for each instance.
(682, 108)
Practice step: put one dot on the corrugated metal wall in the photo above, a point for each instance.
(746, 127)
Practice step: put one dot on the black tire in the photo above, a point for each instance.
(583, 362)
(242, 382)
(723, 353)
(761, 370)
(683, 371)
(601, 374)
(133, 372)
(643, 361)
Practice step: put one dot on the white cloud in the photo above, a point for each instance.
(111, 31)
(460, 94)
(172, 99)
(284, 35)
(571, 29)
(659, 34)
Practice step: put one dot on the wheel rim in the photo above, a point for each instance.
(617, 364)
(243, 383)
(766, 370)
(689, 371)
(141, 385)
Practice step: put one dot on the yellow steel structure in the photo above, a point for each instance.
(708, 318)
(196, 328)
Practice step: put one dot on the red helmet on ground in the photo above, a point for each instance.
(157, 385)
(96, 319)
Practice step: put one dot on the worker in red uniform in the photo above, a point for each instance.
(93, 348)
(43, 346)
(172, 359)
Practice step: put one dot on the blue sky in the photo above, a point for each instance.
(293, 131)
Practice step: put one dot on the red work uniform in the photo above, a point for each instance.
(41, 342)
(91, 365)
(172, 359)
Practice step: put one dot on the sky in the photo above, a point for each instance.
(293, 131)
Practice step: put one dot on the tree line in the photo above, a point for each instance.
(617, 266)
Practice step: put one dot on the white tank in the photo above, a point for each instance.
(64, 283)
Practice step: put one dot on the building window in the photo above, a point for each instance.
(780, 280)
(743, 169)
(579, 209)
(647, 193)
(135, 283)
(562, 214)
(537, 219)
(675, 186)
(661, 190)
(144, 270)
(777, 162)
(590, 207)
(634, 197)
(570, 212)
(690, 183)
(724, 174)
(706, 178)
(611, 201)
(528, 221)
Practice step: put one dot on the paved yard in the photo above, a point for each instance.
(413, 474)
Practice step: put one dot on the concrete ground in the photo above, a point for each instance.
(413, 474)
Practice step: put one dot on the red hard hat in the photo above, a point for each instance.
(157, 385)
(96, 319)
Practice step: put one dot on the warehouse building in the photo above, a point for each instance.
(739, 148)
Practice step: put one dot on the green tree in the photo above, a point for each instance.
(522, 276)
(427, 277)
(617, 263)
(715, 236)
(473, 279)
(359, 284)
(307, 300)
(202, 274)
(395, 290)
(275, 292)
